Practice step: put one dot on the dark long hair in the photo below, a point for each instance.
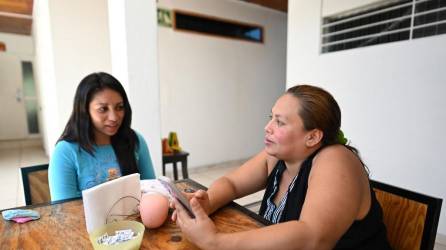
(80, 129)
(319, 110)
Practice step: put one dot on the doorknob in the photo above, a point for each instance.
(18, 95)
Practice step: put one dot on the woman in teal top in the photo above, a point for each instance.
(97, 144)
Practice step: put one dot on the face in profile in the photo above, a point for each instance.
(106, 110)
(285, 133)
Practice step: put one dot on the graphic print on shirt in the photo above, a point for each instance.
(103, 167)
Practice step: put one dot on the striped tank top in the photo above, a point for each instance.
(368, 233)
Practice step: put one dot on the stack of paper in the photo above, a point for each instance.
(118, 197)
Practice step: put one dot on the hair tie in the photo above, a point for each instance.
(341, 138)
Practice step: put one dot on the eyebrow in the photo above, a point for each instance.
(106, 104)
(279, 116)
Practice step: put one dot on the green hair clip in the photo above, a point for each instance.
(341, 138)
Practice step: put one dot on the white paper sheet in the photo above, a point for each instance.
(113, 196)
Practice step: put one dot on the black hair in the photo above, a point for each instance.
(79, 128)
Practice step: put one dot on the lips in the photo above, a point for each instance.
(267, 141)
(112, 127)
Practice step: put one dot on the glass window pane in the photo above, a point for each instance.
(31, 115)
(29, 89)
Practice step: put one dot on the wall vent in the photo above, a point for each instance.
(388, 22)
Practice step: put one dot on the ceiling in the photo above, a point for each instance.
(280, 5)
(16, 15)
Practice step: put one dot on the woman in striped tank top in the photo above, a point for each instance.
(317, 191)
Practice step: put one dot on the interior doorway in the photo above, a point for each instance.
(18, 99)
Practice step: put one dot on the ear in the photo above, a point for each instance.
(314, 137)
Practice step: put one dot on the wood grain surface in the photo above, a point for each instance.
(40, 190)
(62, 226)
(404, 220)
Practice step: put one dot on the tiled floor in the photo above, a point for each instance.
(24, 155)
(10, 178)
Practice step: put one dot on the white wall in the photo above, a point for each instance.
(391, 96)
(18, 48)
(134, 40)
(44, 74)
(72, 40)
(19, 45)
(216, 93)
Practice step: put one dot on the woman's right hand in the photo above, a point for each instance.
(203, 198)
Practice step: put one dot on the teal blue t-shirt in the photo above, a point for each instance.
(72, 170)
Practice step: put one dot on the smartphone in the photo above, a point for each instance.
(176, 193)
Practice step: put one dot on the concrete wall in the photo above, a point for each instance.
(216, 92)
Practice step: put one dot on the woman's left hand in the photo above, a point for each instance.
(199, 230)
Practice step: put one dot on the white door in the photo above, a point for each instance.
(13, 124)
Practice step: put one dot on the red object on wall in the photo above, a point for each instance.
(2, 46)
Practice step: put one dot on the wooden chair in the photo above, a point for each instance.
(35, 184)
(411, 218)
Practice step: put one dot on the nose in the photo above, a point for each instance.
(268, 127)
(113, 115)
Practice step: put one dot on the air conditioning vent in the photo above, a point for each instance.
(388, 22)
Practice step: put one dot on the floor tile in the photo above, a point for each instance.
(439, 247)
(31, 156)
(11, 159)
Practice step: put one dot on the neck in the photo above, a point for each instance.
(293, 165)
(101, 139)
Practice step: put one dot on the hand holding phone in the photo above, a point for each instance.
(176, 193)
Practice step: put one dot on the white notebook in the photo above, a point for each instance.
(110, 200)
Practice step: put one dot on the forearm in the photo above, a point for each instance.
(221, 192)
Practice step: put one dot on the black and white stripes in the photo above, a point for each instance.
(272, 212)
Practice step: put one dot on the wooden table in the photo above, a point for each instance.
(62, 226)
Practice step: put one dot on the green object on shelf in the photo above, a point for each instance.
(173, 142)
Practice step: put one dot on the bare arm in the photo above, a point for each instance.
(247, 179)
(334, 199)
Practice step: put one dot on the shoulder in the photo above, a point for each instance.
(64, 151)
(139, 137)
(337, 161)
(65, 146)
(336, 154)
(141, 144)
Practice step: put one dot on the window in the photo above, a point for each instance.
(29, 96)
(217, 27)
(388, 22)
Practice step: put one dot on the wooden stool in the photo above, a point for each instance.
(174, 159)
